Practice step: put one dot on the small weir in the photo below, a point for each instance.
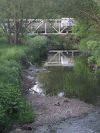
(61, 58)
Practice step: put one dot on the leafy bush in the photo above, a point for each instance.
(10, 72)
(62, 42)
(38, 41)
(13, 106)
(13, 53)
(37, 49)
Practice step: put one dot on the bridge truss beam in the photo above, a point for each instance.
(50, 26)
(41, 26)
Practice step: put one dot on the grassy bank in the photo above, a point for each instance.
(14, 108)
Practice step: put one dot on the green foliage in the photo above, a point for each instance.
(10, 72)
(18, 11)
(27, 112)
(87, 31)
(89, 42)
(13, 53)
(38, 41)
(1, 32)
(13, 106)
(37, 49)
(62, 42)
(80, 28)
(55, 39)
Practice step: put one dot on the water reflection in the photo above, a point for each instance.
(54, 80)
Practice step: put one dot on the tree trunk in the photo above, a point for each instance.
(16, 33)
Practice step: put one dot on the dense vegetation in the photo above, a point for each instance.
(14, 108)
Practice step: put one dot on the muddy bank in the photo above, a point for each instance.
(89, 123)
(52, 109)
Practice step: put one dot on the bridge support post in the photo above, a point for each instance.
(59, 57)
(45, 28)
(72, 54)
(59, 26)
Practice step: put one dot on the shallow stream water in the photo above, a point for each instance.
(49, 82)
(53, 80)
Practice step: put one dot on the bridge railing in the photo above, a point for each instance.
(46, 26)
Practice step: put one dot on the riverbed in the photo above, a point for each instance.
(57, 114)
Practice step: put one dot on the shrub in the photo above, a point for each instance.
(37, 49)
(38, 41)
(10, 72)
(13, 106)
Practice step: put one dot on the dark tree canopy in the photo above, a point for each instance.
(31, 9)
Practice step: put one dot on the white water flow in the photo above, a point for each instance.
(37, 89)
(66, 61)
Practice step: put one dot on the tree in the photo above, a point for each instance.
(21, 10)
(14, 15)
(87, 9)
